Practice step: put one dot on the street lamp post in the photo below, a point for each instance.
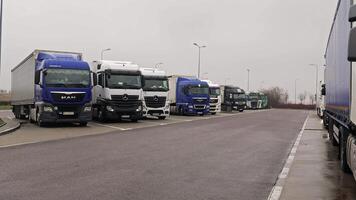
(1, 11)
(199, 47)
(158, 64)
(316, 82)
(295, 91)
(248, 80)
(102, 53)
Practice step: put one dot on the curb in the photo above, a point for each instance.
(11, 129)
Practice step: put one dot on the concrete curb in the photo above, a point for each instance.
(6, 130)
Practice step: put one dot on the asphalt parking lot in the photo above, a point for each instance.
(31, 133)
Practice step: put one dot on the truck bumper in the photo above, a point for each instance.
(157, 112)
(123, 114)
(51, 117)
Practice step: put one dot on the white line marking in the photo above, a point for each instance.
(113, 127)
(276, 192)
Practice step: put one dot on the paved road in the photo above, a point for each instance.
(233, 157)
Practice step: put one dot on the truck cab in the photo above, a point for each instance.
(189, 95)
(233, 98)
(252, 100)
(215, 97)
(52, 87)
(155, 93)
(118, 91)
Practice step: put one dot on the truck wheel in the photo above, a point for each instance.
(344, 134)
(213, 113)
(325, 120)
(331, 133)
(101, 115)
(134, 119)
(162, 117)
(241, 110)
(83, 124)
(38, 120)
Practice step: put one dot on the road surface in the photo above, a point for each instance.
(231, 157)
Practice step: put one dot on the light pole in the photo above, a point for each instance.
(316, 82)
(158, 64)
(102, 52)
(1, 10)
(199, 47)
(248, 80)
(295, 91)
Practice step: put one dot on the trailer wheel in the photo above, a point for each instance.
(331, 133)
(38, 119)
(344, 134)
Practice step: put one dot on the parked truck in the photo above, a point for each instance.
(340, 84)
(232, 98)
(188, 95)
(263, 101)
(215, 97)
(155, 93)
(252, 100)
(118, 91)
(52, 86)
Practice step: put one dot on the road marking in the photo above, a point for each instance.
(113, 127)
(276, 191)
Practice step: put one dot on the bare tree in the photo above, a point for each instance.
(302, 97)
(276, 95)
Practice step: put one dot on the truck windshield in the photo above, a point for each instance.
(151, 84)
(241, 96)
(67, 78)
(214, 91)
(198, 90)
(123, 81)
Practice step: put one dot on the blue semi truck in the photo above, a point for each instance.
(340, 85)
(188, 95)
(52, 86)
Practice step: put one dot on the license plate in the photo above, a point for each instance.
(125, 116)
(68, 113)
(155, 114)
(199, 113)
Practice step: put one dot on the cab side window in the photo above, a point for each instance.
(100, 80)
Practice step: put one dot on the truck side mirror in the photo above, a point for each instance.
(323, 90)
(352, 46)
(352, 14)
(95, 79)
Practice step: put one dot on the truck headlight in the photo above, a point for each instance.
(167, 105)
(87, 109)
(110, 109)
(139, 108)
(47, 109)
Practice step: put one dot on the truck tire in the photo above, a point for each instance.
(101, 115)
(344, 134)
(134, 119)
(241, 110)
(331, 133)
(213, 113)
(38, 120)
(83, 124)
(325, 121)
(162, 117)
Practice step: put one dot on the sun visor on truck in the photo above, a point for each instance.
(57, 56)
(122, 72)
(66, 64)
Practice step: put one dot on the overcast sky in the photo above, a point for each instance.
(276, 39)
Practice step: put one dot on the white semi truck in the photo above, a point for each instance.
(117, 93)
(215, 97)
(155, 92)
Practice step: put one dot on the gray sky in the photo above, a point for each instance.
(276, 39)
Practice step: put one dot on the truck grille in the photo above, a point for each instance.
(125, 102)
(200, 100)
(199, 107)
(155, 102)
(67, 97)
(214, 100)
(124, 97)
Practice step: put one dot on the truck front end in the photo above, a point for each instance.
(252, 101)
(240, 100)
(215, 100)
(118, 93)
(155, 92)
(63, 92)
(193, 97)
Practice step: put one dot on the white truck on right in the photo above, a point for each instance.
(340, 84)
